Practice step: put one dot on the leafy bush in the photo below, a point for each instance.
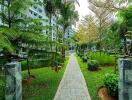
(103, 59)
(85, 58)
(80, 54)
(93, 65)
(111, 83)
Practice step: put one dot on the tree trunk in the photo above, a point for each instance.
(125, 46)
(50, 29)
(28, 67)
(9, 14)
(63, 49)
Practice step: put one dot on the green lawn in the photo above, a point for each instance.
(45, 85)
(94, 79)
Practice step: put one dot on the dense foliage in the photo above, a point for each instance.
(103, 59)
(93, 65)
(111, 83)
(108, 28)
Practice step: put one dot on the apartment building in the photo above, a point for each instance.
(36, 11)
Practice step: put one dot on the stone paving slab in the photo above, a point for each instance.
(72, 85)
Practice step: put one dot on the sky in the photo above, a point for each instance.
(83, 9)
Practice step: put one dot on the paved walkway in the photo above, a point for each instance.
(72, 85)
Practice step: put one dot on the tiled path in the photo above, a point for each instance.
(73, 85)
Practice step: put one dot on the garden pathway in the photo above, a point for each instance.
(72, 85)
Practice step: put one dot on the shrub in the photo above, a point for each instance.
(93, 65)
(85, 58)
(111, 83)
(81, 55)
(103, 59)
(78, 53)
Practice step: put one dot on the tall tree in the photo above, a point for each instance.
(125, 18)
(68, 17)
(103, 19)
(19, 32)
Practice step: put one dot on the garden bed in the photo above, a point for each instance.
(94, 79)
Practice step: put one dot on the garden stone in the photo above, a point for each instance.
(13, 89)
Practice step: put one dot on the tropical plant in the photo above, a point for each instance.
(67, 18)
(125, 18)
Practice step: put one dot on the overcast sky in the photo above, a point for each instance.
(83, 9)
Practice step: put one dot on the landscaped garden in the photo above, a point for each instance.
(32, 38)
(44, 85)
(37, 35)
(95, 78)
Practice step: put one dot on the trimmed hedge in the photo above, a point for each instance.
(103, 59)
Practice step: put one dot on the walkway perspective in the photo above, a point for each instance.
(73, 85)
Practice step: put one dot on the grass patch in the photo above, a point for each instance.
(103, 59)
(45, 85)
(93, 79)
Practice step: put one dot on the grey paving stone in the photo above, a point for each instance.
(72, 85)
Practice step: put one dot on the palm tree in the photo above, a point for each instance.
(67, 18)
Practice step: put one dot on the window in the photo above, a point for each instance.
(35, 7)
(40, 10)
(35, 14)
(21, 15)
(31, 11)
(47, 32)
(40, 16)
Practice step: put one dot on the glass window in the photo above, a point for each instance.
(40, 10)
(31, 11)
(40, 16)
(35, 7)
(35, 14)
